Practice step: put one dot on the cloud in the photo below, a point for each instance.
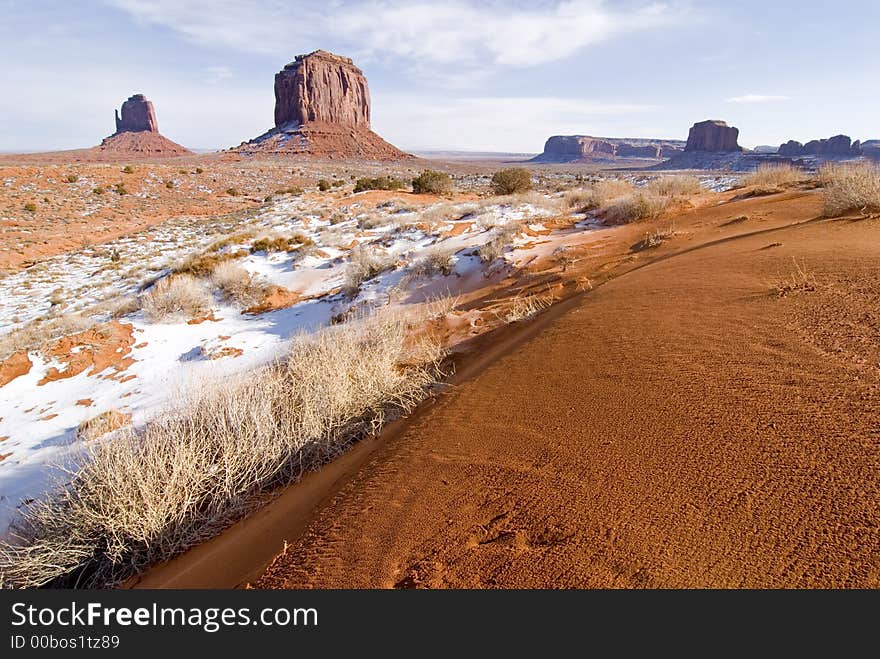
(757, 98)
(462, 33)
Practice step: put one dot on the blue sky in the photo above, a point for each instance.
(463, 74)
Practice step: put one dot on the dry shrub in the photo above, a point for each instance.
(36, 334)
(655, 238)
(851, 187)
(175, 297)
(100, 425)
(675, 186)
(524, 307)
(798, 280)
(639, 205)
(435, 259)
(146, 495)
(503, 238)
(597, 195)
(238, 285)
(770, 177)
(512, 180)
(364, 264)
(432, 182)
(201, 265)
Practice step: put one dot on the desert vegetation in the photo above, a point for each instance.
(511, 181)
(378, 183)
(432, 182)
(769, 178)
(851, 187)
(597, 195)
(639, 205)
(144, 496)
(178, 297)
(675, 186)
(365, 263)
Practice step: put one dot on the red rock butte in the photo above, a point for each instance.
(322, 109)
(138, 115)
(137, 134)
(713, 136)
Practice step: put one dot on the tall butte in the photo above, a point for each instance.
(137, 133)
(322, 109)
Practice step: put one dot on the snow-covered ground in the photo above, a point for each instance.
(39, 417)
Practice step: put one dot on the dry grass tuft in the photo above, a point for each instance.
(435, 259)
(238, 285)
(503, 238)
(770, 178)
(146, 495)
(364, 264)
(675, 186)
(177, 297)
(524, 307)
(655, 238)
(798, 280)
(35, 335)
(851, 187)
(636, 206)
(597, 195)
(100, 425)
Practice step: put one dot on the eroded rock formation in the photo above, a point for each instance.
(839, 146)
(573, 148)
(713, 136)
(322, 87)
(138, 115)
(322, 109)
(137, 134)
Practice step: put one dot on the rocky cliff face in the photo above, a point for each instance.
(138, 115)
(713, 136)
(572, 148)
(322, 109)
(832, 147)
(322, 87)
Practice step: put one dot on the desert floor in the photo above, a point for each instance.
(704, 416)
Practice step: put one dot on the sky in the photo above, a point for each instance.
(455, 75)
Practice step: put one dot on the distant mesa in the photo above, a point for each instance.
(322, 109)
(713, 136)
(584, 148)
(871, 149)
(137, 134)
(839, 146)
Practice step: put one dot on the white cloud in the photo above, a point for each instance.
(757, 98)
(462, 33)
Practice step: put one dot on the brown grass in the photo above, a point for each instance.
(365, 263)
(851, 187)
(177, 297)
(597, 195)
(641, 205)
(100, 425)
(675, 186)
(237, 285)
(770, 178)
(147, 495)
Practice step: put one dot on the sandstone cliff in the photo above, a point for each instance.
(138, 115)
(839, 146)
(322, 109)
(574, 148)
(713, 136)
